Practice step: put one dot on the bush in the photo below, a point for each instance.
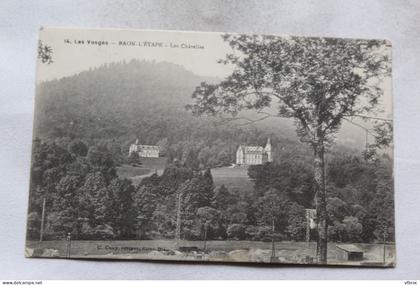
(236, 231)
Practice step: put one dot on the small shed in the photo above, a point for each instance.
(349, 252)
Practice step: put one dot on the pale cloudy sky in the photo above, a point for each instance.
(71, 58)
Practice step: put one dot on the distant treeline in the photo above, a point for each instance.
(85, 197)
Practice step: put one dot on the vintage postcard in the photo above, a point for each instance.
(194, 146)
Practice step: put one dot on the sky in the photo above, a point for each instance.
(71, 56)
(73, 52)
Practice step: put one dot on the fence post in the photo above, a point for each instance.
(41, 234)
(68, 249)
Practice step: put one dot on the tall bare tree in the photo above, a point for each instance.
(318, 82)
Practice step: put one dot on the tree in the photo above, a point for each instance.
(272, 211)
(145, 202)
(33, 225)
(223, 198)
(191, 159)
(337, 209)
(163, 146)
(208, 185)
(317, 82)
(236, 231)
(204, 155)
(49, 163)
(121, 213)
(197, 193)
(78, 147)
(382, 205)
(94, 205)
(63, 219)
(101, 160)
(291, 177)
(134, 159)
(383, 135)
(208, 219)
(353, 229)
(296, 228)
(45, 53)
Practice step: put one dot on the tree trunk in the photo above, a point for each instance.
(320, 203)
(273, 247)
(205, 237)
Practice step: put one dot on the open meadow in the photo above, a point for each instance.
(147, 167)
(234, 178)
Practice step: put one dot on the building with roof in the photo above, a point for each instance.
(144, 150)
(349, 252)
(254, 155)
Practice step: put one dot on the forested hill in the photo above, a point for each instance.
(107, 101)
(116, 103)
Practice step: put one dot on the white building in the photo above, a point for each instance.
(144, 150)
(254, 155)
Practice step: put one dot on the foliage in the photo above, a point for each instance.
(294, 179)
(85, 136)
(236, 231)
(82, 193)
(315, 81)
(85, 199)
(208, 219)
(296, 224)
(45, 53)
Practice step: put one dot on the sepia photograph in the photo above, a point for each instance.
(212, 147)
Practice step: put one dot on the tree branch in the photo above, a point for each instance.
(297, 115)
(254, 121)
(371, 117)
(360, 126)
(250, 121)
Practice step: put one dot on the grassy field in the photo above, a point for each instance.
(148, 166)
(128, 171)
(217, 251)
(234, 178)
(157, 163)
